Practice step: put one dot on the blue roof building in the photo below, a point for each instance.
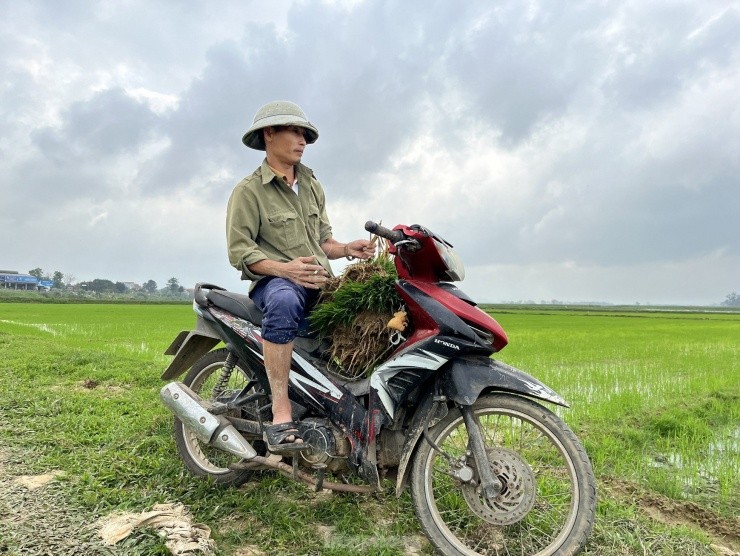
(14, 280)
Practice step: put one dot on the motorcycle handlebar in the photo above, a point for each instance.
(394, 236)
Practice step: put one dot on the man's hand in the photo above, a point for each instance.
(302, 271)
(305, 272)
(360, 249)
(357, 249)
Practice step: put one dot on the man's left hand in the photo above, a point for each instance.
(360, 249)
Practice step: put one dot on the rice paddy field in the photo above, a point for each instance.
(655, 398)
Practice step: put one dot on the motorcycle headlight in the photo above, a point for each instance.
(455, 269)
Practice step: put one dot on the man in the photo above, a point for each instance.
(279, 237)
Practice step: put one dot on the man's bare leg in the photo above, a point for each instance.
(277, 363)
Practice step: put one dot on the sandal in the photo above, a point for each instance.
(276, 438)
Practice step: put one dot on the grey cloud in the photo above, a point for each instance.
(717, 39)
(661, 50)
(364, 105)
(620, 201)
(110, 123)
(78, 159)
(205, 129)
(518, 69)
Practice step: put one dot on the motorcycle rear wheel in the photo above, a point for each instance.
(548, 501)
(201, 459)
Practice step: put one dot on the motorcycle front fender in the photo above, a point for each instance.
(467, 378)
(188, 347)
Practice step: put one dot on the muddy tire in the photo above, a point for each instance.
(201, 459)
(548, 501)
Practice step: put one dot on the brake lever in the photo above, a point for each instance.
(411, 242)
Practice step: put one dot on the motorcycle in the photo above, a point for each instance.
(490, 469)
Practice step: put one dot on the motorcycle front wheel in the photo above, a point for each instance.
(547, 502)
(208, 379)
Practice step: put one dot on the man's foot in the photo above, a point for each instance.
(284, 438)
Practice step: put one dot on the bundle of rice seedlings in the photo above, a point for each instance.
(353, 313)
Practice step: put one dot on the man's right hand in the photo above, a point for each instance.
(302, 271)
(305, 272)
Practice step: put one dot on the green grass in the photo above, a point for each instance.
(654, 396)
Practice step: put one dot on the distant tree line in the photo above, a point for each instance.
(103, 286)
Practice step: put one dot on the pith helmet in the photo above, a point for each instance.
(279, 112)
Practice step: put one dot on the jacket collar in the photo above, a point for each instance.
(268, 175)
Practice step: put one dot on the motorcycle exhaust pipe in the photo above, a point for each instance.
(215, 430)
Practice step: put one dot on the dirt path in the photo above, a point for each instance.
(724, 532)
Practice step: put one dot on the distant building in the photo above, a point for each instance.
(133, 286)
(12, 279)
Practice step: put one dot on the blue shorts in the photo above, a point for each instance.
(284, 307)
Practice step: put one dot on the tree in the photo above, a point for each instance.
(733, 300)
(37, 273)
(58, 279)
(173, 285)
(119, 287)
(100, 285)
(150, 286)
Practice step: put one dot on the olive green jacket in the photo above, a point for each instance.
(265, 219)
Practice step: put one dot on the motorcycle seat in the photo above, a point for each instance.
(237, 304)
(240, 305)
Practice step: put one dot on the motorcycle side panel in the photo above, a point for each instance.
(468, 377)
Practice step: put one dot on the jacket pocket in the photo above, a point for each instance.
(285, 229)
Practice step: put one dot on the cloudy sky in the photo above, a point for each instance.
(579, 151)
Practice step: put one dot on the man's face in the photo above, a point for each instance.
(285, 144)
